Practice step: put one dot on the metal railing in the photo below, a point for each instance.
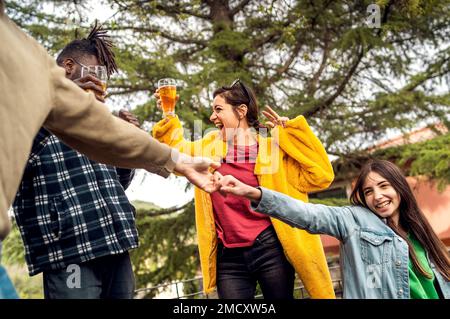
(176, 290)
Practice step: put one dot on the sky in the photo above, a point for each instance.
(164, 192)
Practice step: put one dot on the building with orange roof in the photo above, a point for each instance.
(434, 204)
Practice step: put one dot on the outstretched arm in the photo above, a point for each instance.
(315, 218)
(170, 132)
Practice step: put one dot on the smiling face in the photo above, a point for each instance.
(381, 197)
(225, 118)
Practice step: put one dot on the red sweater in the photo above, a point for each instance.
(237, 224)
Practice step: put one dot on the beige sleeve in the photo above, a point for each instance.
(85, 124)
(5, 225)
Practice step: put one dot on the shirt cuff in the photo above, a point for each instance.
(172, 162)
(265, 203)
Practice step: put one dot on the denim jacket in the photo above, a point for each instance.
(7, 290)
(374, 260)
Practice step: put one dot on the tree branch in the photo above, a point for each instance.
(352, 70)
(432, 72)
(183, 10)
(170, 10)
(312, 87)
(286, 65)
(164, 34)
(166, 211)
(340, 88)
(239, 7)
(128, 91)
(275, 34)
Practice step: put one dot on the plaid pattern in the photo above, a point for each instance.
(70, 209)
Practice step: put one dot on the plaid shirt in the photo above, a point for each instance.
(70, 209)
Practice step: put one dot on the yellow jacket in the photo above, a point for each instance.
(293, 161)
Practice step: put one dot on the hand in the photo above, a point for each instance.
(198, 171)
(274, 118)
(129, 117)
(90, 82)
(159, 102)
(228, 184)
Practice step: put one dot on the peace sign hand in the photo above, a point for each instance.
(274, 118)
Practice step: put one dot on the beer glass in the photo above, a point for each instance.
(167, 89)
(99, 71)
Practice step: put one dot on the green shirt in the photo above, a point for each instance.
(420, 286)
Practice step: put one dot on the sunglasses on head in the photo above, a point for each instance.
(241, 85)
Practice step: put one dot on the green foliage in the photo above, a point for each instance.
(430, 158)
(144, 206)
(13, 258)
(330, 201)
(27, 287)
(13, 252)
(167, 250)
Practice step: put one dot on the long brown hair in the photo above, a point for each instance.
(411, 218)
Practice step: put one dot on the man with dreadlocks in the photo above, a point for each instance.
(94, 50)
(73, 214)
(91, 51)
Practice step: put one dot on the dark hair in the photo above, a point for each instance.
(97, 43)
(238, 93)
(411, 217)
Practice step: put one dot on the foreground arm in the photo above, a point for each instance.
(87, 126)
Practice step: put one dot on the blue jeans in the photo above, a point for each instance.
(240, 269)
(108, 277)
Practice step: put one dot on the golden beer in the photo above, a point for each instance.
(98, 71)
(167, 89)
(168, 96)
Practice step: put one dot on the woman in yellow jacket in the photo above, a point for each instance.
(240, 247)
